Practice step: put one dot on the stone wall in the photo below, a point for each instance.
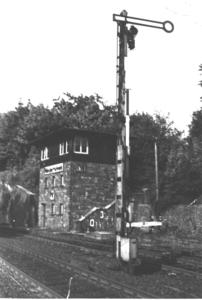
(61, 196)
(184, 219)
(92, 185)
(182, 230)
(86, 184)
(171, 242)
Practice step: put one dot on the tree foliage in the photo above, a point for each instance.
(179, 160)
(20, 127)
(85, 112)
(146, 130)
(200, 70)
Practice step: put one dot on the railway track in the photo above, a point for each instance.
(187, 263)
(26, 284)
(161, 253)
(178, 269)
(57, 273)
(106, 247)
(88, 248)
(80, 240)
(58, 270)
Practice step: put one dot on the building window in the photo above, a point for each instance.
(61, 209)
(46, 182)
(62, 182)
(81, 145)
(52, 209)
(52, 195)
(64, 148)
(53, 181)
(44, 153)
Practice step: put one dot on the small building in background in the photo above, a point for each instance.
(18, 207)
(102, 219)
(77, 173)
(23, 208)
(98, 219)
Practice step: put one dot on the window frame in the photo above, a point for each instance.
(46, 182)
(53, 182)
(81, 141)
(61, 209)
(52, 195)
(62, 180)
(44, 153)
(53, 209)
(63, 148)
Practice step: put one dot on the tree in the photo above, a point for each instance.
(84, 112)
(19, 128)
(145, 129)
(184, 169)
(200, 70)
(11, 145)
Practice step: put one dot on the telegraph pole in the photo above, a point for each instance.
(125, 40)
(156, 170)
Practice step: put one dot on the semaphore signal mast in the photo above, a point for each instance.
(126, 39)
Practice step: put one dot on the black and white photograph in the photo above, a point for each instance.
(100, 149)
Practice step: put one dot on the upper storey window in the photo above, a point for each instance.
(44, 153)
(81, 145)
(63, 148)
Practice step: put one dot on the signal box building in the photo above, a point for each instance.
(77, 173)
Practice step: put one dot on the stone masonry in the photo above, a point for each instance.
(85, 185)
(49, 214)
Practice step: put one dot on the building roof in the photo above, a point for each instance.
(108, 206)
(25, 190)
(67, 130)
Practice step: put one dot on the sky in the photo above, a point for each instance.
(50, 47)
